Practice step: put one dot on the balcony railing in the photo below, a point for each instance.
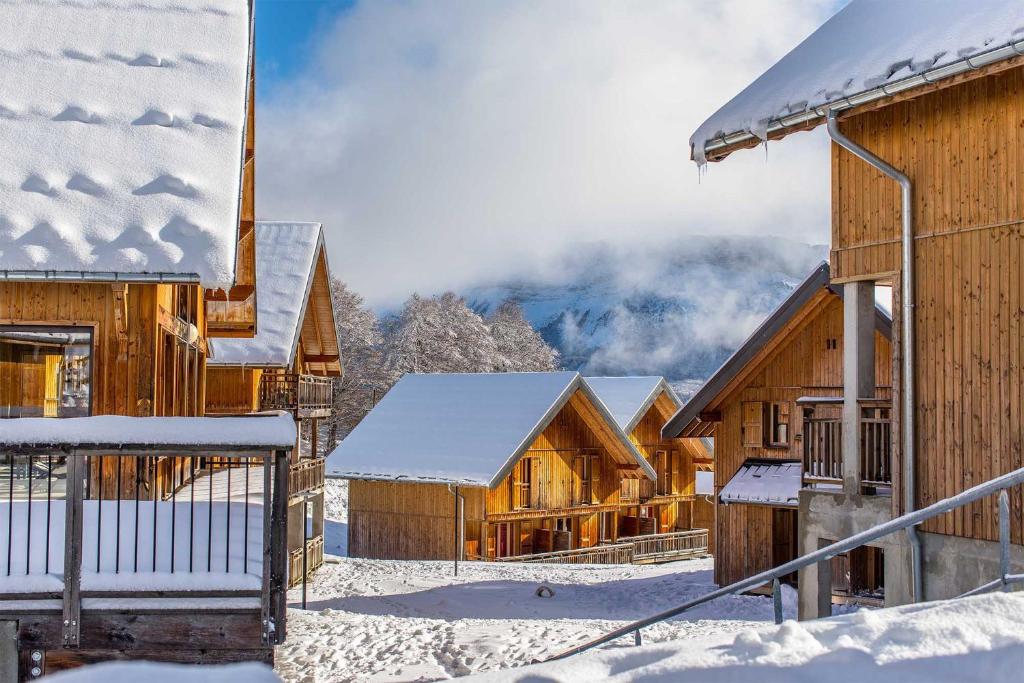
(305, 476)
(823, 439)
(616, 553)
(302, 395)
(314, 560)
(678, 545)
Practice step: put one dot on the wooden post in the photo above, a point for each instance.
(279, 547)
(72, 611)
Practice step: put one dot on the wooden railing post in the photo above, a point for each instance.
(72, 611)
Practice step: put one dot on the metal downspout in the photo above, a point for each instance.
(907, 291)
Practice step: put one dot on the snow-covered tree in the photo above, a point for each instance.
(366, 376)
(520, 347)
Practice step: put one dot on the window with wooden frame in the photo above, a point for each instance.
(753, 424)
(586, 469)
(778, 424)
(522, 484)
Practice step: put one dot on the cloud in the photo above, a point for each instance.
(446, 142)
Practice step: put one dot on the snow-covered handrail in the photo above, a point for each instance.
(943, 506)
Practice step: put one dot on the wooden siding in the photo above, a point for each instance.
(801, 364)
(402, 521)
(232, 390)
(961, 147)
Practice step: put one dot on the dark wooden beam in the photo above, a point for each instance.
(324, 358)
(710, 416)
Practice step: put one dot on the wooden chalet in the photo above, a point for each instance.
(923, 105)
(127, 246)
(289, 365)
(772, 436)
(498, 466)
(670, 504)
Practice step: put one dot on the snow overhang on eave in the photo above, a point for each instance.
(86, 276)
(721, 146)
(406, 479)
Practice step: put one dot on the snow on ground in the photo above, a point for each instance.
(393, 621)
(133, 672)
(956, 641)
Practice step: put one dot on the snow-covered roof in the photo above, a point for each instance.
(459, 428)
(285, 263)
(868, 50)
(274, 430)
(629, 398)
(765, 482)
(121, 133)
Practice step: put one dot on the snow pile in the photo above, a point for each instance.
(271, 430)
(121, 127)
(868, 44)
(628, 398)
(285, 254)
(386, 620)
(971, 639)
(459, 428)
(151, 672)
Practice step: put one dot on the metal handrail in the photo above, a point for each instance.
(907, 521)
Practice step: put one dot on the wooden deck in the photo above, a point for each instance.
(650, 549)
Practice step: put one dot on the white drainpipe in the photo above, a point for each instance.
(907, 289)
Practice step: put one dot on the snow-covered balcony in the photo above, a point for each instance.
(305, 396)
(148, 514)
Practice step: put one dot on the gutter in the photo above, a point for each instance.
(907, 342)
(887, 90)
(87, 276)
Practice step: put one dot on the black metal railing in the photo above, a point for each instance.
(79, 524)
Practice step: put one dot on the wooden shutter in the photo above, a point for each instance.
(514, 482)
(753, 424)
(595, 478)
(674, 484)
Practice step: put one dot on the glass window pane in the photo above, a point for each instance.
(45, 372)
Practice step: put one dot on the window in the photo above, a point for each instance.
(778, 424)
(45, 371)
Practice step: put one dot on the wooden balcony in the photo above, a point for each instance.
(302, 395)
(314, 560)
(305, 476)
(823, 439)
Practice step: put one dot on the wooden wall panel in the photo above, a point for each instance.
(401, 521)
(961, 147)
(232, 390)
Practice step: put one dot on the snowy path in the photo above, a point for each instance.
(399, 621)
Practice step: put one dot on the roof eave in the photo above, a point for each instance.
(724, 145)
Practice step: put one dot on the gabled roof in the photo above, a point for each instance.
(869, 50)
(787, 311)
(629, 398)
(121, 134)
(287, 257)
(467, 429)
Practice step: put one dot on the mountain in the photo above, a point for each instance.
(677, 311)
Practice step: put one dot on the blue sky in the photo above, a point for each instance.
(285, 36)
